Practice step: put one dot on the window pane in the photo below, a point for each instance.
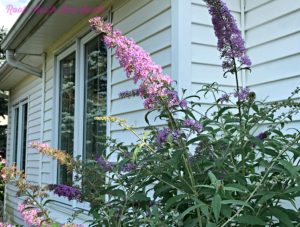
(16, 135)
(95, 97)
(24, 137)
(67, 105)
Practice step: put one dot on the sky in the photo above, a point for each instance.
(10, 10)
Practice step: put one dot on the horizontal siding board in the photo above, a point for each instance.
(269, 12)
(153, 26)
(205, 54)
(234, 5)
(273, 50)
(137, 120)
(275, 70)
(126, 105)
(252, 4)
(275, 29)
(203, 35)
(201, 15)
(210, 74)
(277, 90)
(127, 9)
(141, 16)
(126, 136)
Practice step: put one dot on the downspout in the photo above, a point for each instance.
(11, 60)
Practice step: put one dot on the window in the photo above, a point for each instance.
(95, 98)
(20, 135)
(66, 113)
(16, 135)
(82, 96)
(24, 136)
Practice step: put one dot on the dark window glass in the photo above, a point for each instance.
(67, 108)
(24, 137)
(16, 135)
(95, 98)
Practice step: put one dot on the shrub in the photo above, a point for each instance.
(234, 164)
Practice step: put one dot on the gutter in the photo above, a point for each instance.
(12, 61)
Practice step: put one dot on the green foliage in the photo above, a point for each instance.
(226, 175)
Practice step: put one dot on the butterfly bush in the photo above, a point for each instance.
(31, 216)
(213, 167)
(65, 191)
(155, 87)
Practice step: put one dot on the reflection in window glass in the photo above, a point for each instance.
(95, 98)
(24, 136)
(16, 135)
(67, 105)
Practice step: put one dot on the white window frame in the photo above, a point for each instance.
(19, 152)
(57, 79)
(79, 48)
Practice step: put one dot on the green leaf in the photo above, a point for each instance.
(139, 196)
(173, 200)
(293, 170)
(55, 225)
(255, 108)
(250, 220)
(118, 192)
(191, 222)
(234, 189)
(137, 150)
(221, 111)
(187, 211)
(216, 206)
(198, 138)
(209, 224)
(266, 197)
(212, 177)
(293, 190)
(236, 202)
(242, 188)
(281, 216)
(203, 207)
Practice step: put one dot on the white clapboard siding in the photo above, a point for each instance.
(29, 89)
(272, 36)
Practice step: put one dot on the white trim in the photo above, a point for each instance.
(42, 114)
(181, 44)
(71, 49)
(20, 106)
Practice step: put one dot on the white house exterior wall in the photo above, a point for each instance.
(272, 31)
(29, 89)
(272, 36)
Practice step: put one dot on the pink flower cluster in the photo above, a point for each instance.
(30, 216)
(6, 225)
(155, 87)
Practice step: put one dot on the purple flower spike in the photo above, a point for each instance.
(66, 191)
(183, 104)
(230, 41)
(225, 98)
(262, 136)
(242, 94)
(128, 167)
(105, 165)
(165, 133)
(194, 125)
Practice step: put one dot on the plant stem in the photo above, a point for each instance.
(262, 180)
